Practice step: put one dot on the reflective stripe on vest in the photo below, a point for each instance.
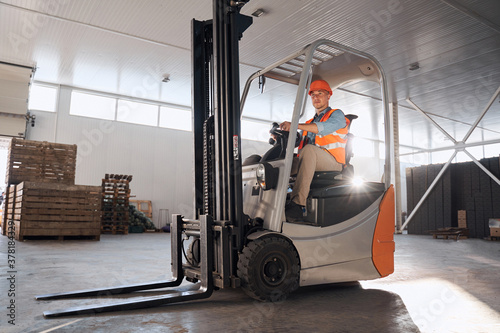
(334, 143)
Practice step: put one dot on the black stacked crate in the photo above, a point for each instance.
(464, 186)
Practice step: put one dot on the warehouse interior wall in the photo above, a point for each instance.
(159, 159)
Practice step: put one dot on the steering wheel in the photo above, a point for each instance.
(282, 138)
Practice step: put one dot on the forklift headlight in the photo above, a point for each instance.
(267, 176)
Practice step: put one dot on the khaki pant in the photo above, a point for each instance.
(311, 159)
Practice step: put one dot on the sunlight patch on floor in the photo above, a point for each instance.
(437, 305)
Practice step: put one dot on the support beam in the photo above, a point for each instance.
(426, 194)
(457, 146)
(492, 176)
(492, 99)
(431, 120)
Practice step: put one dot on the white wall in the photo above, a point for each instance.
(160, 160)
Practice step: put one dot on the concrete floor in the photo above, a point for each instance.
(438, 286)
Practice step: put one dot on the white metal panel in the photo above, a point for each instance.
(12, 126)
(13, 105)
(14, 91)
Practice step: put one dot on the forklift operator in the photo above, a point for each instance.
(322, 147)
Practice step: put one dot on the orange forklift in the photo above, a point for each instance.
(239, 236)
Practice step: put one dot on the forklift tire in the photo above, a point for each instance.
(269, 269)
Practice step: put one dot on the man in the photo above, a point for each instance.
(322, 147)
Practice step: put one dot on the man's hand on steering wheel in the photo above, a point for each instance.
(284, 132)
(285, 126)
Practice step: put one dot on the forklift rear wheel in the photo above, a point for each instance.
(269, 269)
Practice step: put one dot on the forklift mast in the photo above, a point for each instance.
(218, 223)
(216, 116)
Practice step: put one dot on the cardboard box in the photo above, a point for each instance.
(495, 232)
(494, 223)
(462, 219)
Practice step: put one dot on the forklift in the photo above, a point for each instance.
(239, 236)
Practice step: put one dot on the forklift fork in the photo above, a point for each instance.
(205, 290)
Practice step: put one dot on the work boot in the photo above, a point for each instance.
(294, 212)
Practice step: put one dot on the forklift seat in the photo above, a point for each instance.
(337, 203)
(326, 178)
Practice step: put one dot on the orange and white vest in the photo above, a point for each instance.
(334, 143)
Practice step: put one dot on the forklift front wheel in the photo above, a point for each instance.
(269, 269)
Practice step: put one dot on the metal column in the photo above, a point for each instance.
(397, 166)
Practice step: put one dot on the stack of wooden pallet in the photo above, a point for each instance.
(115, 203)
(51, 209)
(42, 162)
(41, 198)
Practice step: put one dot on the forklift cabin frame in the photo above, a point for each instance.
(316, 59)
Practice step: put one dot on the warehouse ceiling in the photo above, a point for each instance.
(444, 55)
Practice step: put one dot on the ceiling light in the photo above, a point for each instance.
(259, 12)
(166, 78)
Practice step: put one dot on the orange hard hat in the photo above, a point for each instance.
(320, 85)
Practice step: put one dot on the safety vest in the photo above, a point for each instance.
(333, 143)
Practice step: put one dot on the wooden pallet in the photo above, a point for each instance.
(453, 233)
(9, 202)
(58, 210)
(144, 206)
(114, 229)
(63, 238)
(42, 162)
(115, 196)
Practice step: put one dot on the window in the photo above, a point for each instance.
(89, 105)
(257, 131)
(137, 113)
(113, 107)
(175, 118)
(42, 98)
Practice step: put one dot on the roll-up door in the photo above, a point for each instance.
(14, 92)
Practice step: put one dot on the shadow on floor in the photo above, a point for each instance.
(343, 307)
